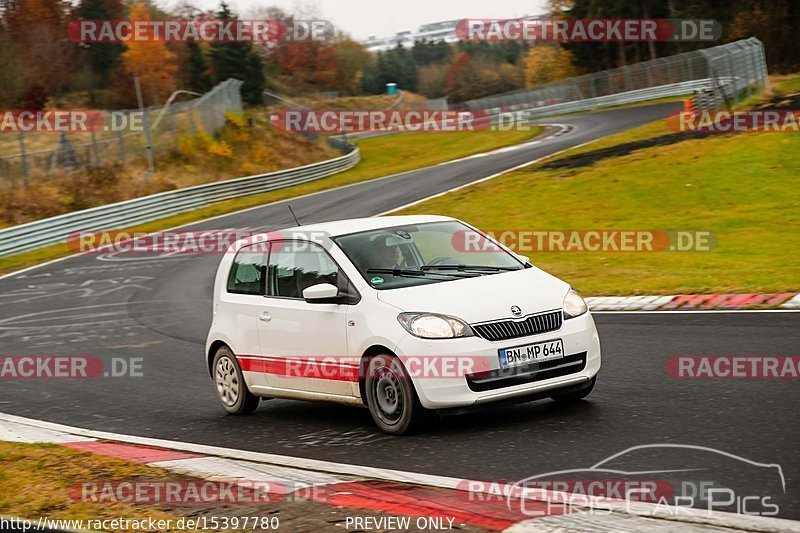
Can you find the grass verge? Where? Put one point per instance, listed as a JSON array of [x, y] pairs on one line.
[[380, 156], [743, 188], [45, 480], [36, 480]]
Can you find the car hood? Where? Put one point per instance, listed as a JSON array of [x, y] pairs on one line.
[[488, 297]]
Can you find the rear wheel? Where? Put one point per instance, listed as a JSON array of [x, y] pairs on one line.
[[229, 384], [575, 395], [391, 398]]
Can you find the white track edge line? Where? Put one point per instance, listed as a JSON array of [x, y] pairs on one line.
[[487, 178]]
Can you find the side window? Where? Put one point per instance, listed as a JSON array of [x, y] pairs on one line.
[[295, 266], [248, 272]]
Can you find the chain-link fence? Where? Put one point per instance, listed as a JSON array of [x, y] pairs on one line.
[[124, 137], [731, 71]]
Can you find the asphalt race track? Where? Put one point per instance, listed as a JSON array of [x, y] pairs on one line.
[[158, 308]]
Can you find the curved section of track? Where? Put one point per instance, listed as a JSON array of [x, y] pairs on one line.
[[158, 308]]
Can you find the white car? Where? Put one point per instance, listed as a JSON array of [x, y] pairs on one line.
[[402, 314]]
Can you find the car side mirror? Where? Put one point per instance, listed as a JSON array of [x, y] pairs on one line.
[[321, 293], [523, 258]]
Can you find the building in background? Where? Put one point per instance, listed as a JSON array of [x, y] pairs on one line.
[[435, 31]]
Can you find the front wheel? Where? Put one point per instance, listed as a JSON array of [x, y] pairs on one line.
[[391, 397], [229, 384]]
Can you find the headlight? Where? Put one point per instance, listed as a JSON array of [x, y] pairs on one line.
[[430, 326], [574, 305]]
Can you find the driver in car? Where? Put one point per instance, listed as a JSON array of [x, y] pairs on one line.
[[383, 255]]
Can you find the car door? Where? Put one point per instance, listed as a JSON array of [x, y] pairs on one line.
[[242, 302], [305, 343]]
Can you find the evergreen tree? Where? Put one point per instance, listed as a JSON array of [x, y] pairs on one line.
[[102, 58], [238, 60], [398, 67], [197, 77]]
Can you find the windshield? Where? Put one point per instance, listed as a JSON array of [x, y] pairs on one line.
[[418, 254]]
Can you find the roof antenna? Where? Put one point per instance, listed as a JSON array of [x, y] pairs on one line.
[[293, 215]]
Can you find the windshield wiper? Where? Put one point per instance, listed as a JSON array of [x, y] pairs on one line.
[[491, 268], [421, 272]]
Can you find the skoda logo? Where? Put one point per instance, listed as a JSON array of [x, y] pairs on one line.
[[515, 310]]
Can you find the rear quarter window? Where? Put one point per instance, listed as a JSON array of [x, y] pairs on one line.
[[248, 272]]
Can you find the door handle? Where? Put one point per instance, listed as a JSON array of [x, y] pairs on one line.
[[265, 317]]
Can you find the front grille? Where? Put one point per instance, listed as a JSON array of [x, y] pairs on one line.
[[520, 375], [501, 330]]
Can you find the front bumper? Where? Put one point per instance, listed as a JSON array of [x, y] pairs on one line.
[[580, 364]]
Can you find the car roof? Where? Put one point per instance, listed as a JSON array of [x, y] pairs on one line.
[[344, 227]]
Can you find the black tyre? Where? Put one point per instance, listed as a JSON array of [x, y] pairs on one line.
[[577, 395], [391, 398], [229, 384]]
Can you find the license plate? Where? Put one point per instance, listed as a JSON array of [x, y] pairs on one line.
[[531, 353]]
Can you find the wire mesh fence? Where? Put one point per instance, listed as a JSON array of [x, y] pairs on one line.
[[731, 71], [123, 138]]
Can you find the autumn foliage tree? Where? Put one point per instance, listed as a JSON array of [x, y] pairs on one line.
[[546, 63], [152, 60], [474, 77], [350, 57], [36, 32], [459, 77], [311, 64]]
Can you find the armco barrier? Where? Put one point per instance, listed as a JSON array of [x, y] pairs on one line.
[[630, 97], [139, 210], [735, 70]]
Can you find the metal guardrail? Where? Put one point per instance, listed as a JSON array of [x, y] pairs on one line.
[[735, 69], [630, 97], [119, 215]]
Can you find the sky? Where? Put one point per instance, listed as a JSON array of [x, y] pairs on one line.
[[363, 18]]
